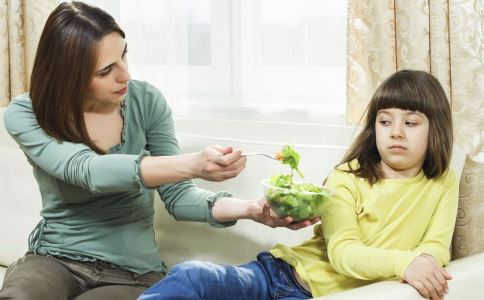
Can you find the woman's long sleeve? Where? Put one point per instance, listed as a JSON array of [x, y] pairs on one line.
[[73, 163], [184, 200]]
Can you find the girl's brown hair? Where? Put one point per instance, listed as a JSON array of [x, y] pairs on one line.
[[63, 69], [407, 90]]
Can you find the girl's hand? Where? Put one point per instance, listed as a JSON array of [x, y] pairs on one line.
[[217, 163], [260, 211], [428, 277]]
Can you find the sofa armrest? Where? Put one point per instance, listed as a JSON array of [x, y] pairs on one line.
[[3, 269], [378, 291], [467, 275]]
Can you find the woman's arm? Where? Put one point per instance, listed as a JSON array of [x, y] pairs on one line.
[[184, 200], [230, 209], [73, 163], [77, 164], [213, 163], [166, 164]]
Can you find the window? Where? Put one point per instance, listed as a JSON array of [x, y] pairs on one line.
[[281, 60]]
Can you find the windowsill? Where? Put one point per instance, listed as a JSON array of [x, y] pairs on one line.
[[295, 116], [235, 130]]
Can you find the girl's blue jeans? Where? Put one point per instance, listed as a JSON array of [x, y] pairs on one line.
[[265, 278]]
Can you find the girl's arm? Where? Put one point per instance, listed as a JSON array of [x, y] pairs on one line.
[[437, 238], [351, 257], [427, 277], [346, 251], [425, 273]]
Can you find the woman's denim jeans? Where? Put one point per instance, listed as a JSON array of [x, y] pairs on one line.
[[265, 278]]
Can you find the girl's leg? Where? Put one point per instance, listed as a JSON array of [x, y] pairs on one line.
[[199, 280], [266, 278], [38, 277]]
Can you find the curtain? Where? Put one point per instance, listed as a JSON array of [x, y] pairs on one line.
[[21, 23], [445, 38]]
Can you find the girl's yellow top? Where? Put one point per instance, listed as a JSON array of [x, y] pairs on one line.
[[373, 233]]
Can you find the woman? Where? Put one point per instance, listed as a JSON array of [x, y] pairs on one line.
[[99, 143]]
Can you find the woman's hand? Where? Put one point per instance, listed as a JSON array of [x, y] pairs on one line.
[[260, 211], [230, 209], [428, 277], [217, 163]]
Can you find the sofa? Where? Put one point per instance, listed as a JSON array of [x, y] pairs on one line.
[[320, 147]]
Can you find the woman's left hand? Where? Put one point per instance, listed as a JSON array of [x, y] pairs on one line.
[[260, 211]]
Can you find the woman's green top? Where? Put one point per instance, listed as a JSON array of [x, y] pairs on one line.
[[96, 207]]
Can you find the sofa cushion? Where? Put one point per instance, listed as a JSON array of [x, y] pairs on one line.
[[20, 204], [469, 228]]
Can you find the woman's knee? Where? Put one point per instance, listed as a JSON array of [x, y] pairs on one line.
[[14, 292], [38, 277], [31, 291]]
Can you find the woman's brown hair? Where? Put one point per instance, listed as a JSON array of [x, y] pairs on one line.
[[407, 90], [64, 66]]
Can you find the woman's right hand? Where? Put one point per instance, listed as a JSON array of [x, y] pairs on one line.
[[428, 277], [217, 163]]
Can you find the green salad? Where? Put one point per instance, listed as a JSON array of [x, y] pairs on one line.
[[290, 157], [291, 198]]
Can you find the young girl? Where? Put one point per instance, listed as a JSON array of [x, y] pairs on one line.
[[86, 128], [392, 215]]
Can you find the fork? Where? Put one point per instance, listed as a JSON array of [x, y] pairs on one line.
[[259, 153]]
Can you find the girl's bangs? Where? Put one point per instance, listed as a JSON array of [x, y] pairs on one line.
[[406, 97]]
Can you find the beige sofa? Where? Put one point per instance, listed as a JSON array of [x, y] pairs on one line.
[[320, 148]]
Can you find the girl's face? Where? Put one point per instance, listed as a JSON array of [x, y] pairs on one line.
[[402, 141], [111, 75]]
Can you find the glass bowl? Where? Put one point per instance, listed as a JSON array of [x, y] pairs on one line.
[[295, 202]]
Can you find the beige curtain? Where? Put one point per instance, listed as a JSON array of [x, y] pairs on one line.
[[445, 38], [21, 23]]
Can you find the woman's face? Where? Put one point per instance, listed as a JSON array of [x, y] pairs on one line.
[[402, 140], [111, 75]]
